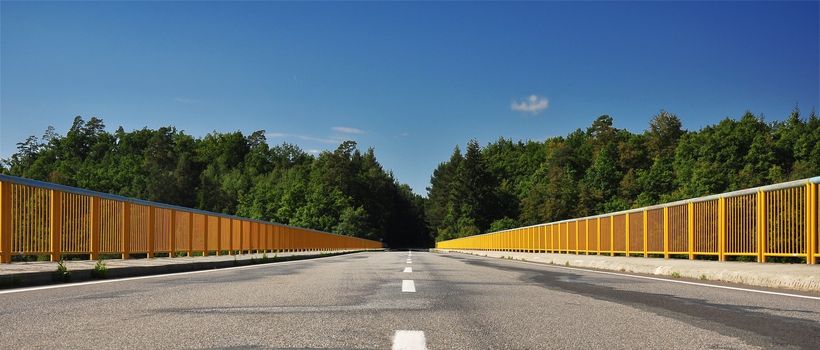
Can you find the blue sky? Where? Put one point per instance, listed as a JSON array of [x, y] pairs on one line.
[[411, 80]]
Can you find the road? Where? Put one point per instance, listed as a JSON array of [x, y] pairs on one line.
[[366, 300]]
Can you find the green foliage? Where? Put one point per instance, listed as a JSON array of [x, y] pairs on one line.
[[604, 169], [503, 224], [344, 191], [100, 270], [61, 274]]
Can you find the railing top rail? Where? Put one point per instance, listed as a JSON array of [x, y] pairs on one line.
[[116, 197], [772, 187]]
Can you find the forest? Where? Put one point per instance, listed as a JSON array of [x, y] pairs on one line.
[[345, 191], [501, 185], [602, 169]]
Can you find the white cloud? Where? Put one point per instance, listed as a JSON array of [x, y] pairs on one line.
[[314, 151], [532, 104], [347, 130]]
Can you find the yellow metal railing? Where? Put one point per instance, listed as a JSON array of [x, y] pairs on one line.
[[779, 220], [40, 218]]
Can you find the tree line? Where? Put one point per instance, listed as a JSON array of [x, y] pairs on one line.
[[344, 191], [601, 169], [502, 185]]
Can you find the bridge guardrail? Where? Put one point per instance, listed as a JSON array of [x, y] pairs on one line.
[[779, 220], [41, 218]]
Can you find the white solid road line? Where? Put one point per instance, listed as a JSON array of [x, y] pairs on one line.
[[409, 261], [79, 284], [408, 286], [673, 281], [409, 340], [408, 269]]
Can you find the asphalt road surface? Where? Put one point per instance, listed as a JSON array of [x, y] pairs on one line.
[[383, 300]]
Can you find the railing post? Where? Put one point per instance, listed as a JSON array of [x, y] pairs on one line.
[[56, 216], [205, 248], [722, 229], [598, 222], [241, 236], [218, 236], [190, 233], [690, 211], [666, 225], [645, 234], [586, 236], [5, 222], [611, 235], [577, 229], [811, 222], [95, 228], [151, 231], [172, 249], [761, 226], [230, 237], [126, 230], [626, 229]]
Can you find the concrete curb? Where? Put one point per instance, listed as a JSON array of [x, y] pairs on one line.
[[28, 279], [784, 276]]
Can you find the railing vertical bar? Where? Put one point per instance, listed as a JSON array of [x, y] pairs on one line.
[[56, 225], [5, 221]]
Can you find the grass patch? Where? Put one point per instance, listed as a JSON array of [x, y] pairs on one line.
[[100, 270], [675, 274], [61, 274], [703, 277]]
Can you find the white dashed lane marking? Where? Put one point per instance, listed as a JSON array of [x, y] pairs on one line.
[[408, 286], [409, 340]]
